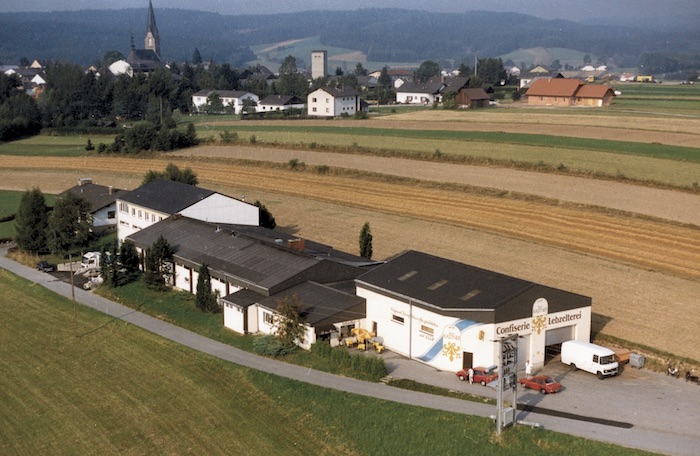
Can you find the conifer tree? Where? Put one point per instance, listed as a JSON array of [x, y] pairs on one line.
[[31, 222]]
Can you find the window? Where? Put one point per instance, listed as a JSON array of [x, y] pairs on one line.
[[314, 100], [397, 319], [268, 318], [595, 358], [313, 109], [140, 215], [123, 207], [111, 215], [133, 212], [146, 216], [427, 329]]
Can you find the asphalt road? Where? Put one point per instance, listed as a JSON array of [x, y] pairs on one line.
[[639, 409]]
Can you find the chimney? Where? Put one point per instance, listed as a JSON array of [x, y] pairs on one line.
[[296, 244], [84, 181], [110, 189]]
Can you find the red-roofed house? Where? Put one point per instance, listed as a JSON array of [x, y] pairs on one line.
[[568, 92]]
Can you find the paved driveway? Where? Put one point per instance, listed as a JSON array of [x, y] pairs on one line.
[[638, 409]]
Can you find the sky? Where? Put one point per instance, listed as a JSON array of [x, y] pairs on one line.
[[546, 9]]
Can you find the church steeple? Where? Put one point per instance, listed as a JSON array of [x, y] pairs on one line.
[[152, 41]]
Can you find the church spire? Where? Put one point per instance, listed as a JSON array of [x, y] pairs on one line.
[[152, 41]]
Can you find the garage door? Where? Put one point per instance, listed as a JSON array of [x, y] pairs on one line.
[[559, 335]]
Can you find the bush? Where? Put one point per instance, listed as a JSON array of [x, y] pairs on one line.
[[322, 169], [270, 345], [227, 137]]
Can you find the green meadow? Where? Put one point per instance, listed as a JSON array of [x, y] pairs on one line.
[[116, 389]]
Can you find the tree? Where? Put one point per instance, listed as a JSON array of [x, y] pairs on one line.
[[159, 264], [70, 230], [464, 70], [289, 324], [491, 70], [110, 57], [290, 81], [426, 70], [206, 300], [214, 104], [360, 70], [69, 225], [366, 242], [338, 71], [31, 222], [384, 80], [173, 173], [196, 57], [266, 218]]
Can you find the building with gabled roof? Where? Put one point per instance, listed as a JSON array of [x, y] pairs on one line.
[[564, 92], [253, 269], [231, 99], [332, 102], [449, 314], [273, 103], [161, 198], [103, 202]]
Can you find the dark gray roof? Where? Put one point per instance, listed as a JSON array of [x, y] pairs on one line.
[[454, 84], [281, 100], [222, 93], [453, 288], [265, 267], [418, 87], [98, 196], [340, 92], [321, 306], [166, 196]]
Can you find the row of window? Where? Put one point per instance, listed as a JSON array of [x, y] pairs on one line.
[[124, 209], [399, 319]]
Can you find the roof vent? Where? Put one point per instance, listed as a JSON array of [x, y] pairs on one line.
[[408, 275], [437, 284], [470, 295]]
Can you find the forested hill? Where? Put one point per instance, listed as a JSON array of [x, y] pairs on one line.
[[383, 34]]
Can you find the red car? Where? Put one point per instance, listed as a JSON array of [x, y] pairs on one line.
[[543, 383], [481, 374]]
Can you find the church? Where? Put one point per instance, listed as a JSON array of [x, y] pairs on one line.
[[147, 59]]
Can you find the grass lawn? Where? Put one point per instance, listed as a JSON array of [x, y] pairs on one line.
[[54, 146], [116, 389]]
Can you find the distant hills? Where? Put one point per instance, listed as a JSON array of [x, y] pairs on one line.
[[378, 35]]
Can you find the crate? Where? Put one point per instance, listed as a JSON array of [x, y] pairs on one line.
[[622, 355]]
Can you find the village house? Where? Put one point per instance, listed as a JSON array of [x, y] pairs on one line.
[[161, 198], [562, 92], [472, 98], [103, 203], [332, 102], [273, 103], [232, 99]]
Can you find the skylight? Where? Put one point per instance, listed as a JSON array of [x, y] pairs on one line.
[[437, 284], [408, 275], [470, 295]]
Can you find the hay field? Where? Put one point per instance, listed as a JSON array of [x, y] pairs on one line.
[[643, 274]]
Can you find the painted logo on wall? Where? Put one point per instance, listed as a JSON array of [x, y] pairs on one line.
[[539, 315], [451, 342]]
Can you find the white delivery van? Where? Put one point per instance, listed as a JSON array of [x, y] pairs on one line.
[[589, 357]]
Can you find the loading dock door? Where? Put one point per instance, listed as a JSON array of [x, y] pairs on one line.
[[558, 335]]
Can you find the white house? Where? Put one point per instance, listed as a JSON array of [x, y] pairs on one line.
[[331, 102], [450, 315], [273, 103], [234, 98], [121, 67], [159, 199], [103, 203], [419, 93]]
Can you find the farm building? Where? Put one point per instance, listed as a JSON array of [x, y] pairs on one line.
[[472, 98], [450, 315], [273, 103], [563, 92], [253, 269]]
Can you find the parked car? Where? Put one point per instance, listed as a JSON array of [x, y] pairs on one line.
[[543, 383], [482, 375], [44, 266]]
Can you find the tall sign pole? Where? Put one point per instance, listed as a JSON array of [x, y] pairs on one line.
[[507, 381]]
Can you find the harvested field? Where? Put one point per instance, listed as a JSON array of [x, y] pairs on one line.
[[643, 275]]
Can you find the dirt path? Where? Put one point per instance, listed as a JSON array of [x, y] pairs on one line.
[[644, 276]]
